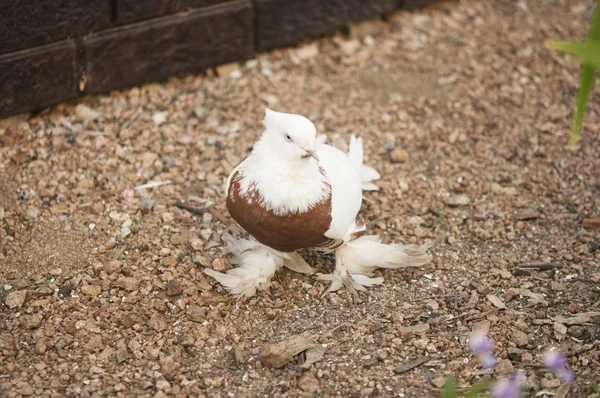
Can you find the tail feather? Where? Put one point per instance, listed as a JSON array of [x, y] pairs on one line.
[[367, 173], [365, 254]]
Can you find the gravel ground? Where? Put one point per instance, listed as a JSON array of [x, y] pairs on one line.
[[464, 112]]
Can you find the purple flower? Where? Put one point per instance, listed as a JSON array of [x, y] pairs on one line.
[[509, 387], [557, 363], [483, 347]]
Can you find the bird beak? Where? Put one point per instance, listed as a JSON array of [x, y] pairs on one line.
[[313, 154]]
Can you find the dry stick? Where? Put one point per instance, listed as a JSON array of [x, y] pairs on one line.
[[583, 350], [539, 265], [412, 364], [200, 212], [189, 208]]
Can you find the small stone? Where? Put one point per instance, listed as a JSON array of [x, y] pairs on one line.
[[33, 212], [1, 213], [128, 283], [527, 214], [91, 290], [550, 383], [84, 113], [195, 313], [202, 260], [162, 385], [122, 352], [504, 367], [309, 383], [40, 346], [438, 382], [169, 366], [179, 239], [591, 223], [458, 200], [196, 244], [514, 354], [158, 323], [560, 328], [146, 205], [65, 290], [173, 288], [42, 291], [159, 118], [95, 343], [226, 70], [168, 217], [519, 338], [26, 390], [34, 322], [399, 156], [219, 264], [10, 367], [16, 299]]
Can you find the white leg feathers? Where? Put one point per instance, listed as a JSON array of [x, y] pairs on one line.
[[256, 266], [357, 260]]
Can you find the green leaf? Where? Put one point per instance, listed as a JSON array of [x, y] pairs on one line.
[[449, 387], [586, 85], [478, 388], [588, 53]]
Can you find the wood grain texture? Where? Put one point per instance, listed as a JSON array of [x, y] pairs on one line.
[[172, 46], [137, 10], [38, 78], [283, 22], [29, 23]]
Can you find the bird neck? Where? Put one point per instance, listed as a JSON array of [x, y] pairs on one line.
[[285, 185]]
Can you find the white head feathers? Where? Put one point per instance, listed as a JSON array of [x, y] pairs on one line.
[[284, 165], [291, 135]]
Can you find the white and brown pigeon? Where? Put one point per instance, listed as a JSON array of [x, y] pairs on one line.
[[295, 192]]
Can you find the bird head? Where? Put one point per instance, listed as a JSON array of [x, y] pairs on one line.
[[293, 135]]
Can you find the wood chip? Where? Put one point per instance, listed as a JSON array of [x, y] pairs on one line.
[[314, 355], [536, 298], [591, 223], [581, 318], [153, 184], [540, 265], [562, 391], [412, 364], [278, 355], [496, 302], [415, 329]]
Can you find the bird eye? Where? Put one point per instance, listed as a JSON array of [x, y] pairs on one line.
[[288, 138]]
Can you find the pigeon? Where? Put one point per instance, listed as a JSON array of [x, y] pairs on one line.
[[295, 192]]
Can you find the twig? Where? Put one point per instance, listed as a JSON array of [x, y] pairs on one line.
[[189, 208], [583, 350], [131, 119], [412, 364], [153, 184], [217, 215], [65, 345], [201, 212], [540, 265]]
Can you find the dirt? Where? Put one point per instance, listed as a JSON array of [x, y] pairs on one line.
[[476, 111]]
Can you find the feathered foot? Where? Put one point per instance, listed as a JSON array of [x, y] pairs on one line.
[[256, 266], [357, 260]]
